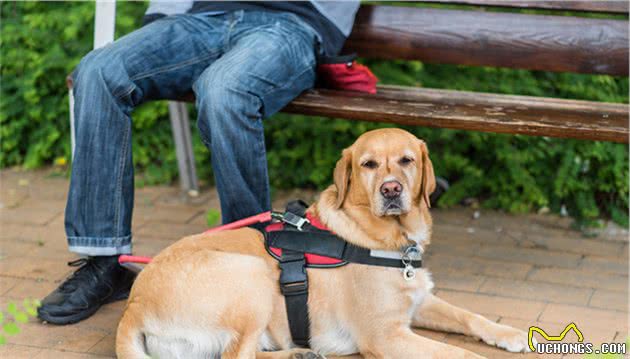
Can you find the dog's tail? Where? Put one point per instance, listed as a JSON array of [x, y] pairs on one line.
[[130, 340]]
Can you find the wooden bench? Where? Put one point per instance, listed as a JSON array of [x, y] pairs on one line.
[[485, 38], [534, 42]]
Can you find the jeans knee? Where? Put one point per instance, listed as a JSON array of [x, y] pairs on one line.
[[225, 107], [101, 70]]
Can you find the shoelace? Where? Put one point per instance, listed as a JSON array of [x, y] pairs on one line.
[[83, 264], [78, 262]]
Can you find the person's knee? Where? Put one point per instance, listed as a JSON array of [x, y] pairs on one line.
[[100, 69], [219, 90], [225, 106]]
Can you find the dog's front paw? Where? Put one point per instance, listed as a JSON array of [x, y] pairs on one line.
[[510, 339]]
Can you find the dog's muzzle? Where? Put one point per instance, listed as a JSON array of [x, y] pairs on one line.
[[391, 192]]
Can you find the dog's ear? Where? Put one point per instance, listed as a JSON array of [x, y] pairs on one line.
[[342, 176], [427, 185]]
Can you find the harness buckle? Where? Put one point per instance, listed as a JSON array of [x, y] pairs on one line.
[[294, 220], [294, 288], [293, 278]]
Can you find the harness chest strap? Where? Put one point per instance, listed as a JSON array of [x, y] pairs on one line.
[[313, 246]]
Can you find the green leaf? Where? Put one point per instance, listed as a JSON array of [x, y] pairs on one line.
[[213, 217], [11, 328], [12, 308], [21, 317]]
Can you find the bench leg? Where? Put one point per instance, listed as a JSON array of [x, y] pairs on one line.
[[183, 146], [71, 107]]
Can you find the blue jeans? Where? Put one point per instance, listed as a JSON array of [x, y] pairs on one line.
[[242, 66]]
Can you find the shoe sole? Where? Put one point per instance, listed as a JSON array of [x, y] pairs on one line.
[[69, 319]]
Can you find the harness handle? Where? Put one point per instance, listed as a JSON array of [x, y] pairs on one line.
[[259, 218]]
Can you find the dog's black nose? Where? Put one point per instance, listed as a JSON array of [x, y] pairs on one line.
[[391, 189]]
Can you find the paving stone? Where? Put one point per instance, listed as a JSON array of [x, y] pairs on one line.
[[82, 342], [6, 283], [200, 219], [607, 299], [33, 268], [105, 320], [20, 231], [106, 347], [560, 313], [25, 215], [208, 198], [14, 351], [581, 278], [456, 281], [572, 244], [478, 266], [56, 354], [44, 249], [143, 246], [488, 304], [49, 189], [174, 214], [605, 265], [624, 252], [11, 197], [41, 335], [531, 256], [43, 204], [462, 250], [469, 235], [57, 226], [32, 289], [172, 231], [544, 292], [458, 216], [148, 195]]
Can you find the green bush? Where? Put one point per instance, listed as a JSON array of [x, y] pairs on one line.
[[42, 42]]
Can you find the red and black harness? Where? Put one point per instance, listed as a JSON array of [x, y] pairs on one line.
[[299, 241]]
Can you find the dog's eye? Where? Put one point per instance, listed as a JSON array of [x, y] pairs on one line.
[[369, 164], [405, 160]]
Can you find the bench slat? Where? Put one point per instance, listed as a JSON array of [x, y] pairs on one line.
[[612, 7], [472, 111], [535, 42]]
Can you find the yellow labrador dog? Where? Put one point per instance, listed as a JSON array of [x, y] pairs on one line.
[[212, 295]]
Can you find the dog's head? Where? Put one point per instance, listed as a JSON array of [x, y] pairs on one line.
[[388, 170]]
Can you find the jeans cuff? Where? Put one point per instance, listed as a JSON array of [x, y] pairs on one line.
[[100, 246]]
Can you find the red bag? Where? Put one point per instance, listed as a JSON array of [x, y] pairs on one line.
[[344, 73]]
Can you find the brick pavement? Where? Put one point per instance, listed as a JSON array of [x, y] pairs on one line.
[[518, 270]]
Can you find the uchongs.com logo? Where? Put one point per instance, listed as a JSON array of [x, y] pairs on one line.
[[555, 344]]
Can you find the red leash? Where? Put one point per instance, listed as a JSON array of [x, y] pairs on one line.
[[259, 218]]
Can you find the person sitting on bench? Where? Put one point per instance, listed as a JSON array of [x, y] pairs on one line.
[[243, 60]]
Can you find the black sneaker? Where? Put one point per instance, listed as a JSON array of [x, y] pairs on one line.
[[98, 281]]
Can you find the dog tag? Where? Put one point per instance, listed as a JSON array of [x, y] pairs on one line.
[[409, 272]]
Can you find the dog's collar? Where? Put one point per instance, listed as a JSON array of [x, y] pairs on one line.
[[413, 252]]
